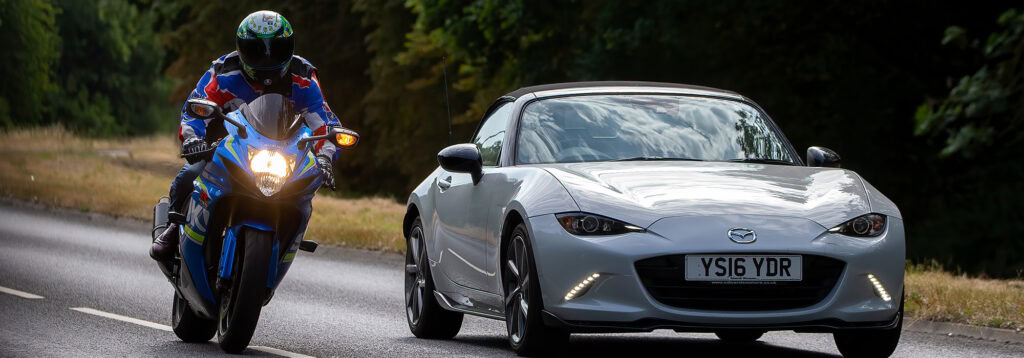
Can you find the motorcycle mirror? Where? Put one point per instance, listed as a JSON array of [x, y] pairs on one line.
[[344, 137], [201, 108]]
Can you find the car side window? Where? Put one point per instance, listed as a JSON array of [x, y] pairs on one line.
[[491, 134]]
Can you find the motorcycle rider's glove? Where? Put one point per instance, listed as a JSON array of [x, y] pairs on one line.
[[193, 149], [324, 163]]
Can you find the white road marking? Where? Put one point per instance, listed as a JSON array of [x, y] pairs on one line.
[[22, 294], [122, 318], [279, 352], [167, 328]]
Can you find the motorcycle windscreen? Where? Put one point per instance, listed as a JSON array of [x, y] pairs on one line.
[[272, 115]]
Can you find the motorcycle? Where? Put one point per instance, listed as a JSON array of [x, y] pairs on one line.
[[246, 219]]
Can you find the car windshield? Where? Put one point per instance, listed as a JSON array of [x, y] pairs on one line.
[[647, 127]]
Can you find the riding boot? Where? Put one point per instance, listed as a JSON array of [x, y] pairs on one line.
[[166, 244]]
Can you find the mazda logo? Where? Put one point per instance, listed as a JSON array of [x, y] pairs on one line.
[[742, 236]]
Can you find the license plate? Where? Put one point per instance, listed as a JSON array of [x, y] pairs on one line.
[[744, 267]]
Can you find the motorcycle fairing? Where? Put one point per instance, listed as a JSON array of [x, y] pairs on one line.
[[228, 175]]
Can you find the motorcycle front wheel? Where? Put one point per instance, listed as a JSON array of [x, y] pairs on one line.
[[187, 325], [241, 302]]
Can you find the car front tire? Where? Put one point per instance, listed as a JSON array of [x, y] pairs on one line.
[[426, 318], [870, 343], [527, 333]]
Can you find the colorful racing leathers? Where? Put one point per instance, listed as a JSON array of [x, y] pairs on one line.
[[225, 85]]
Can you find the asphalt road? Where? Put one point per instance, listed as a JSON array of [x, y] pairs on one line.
[[78, 270]]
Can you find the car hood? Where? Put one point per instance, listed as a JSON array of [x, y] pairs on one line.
[[641, 193]]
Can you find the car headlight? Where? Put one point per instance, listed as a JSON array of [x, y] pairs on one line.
[[271, 170], [868, 225], [589, 224]]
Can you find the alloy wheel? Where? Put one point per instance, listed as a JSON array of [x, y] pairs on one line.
[[415, 278], [517, 286]]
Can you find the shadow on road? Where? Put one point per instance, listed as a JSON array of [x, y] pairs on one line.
[[601, 345], [207, 349]]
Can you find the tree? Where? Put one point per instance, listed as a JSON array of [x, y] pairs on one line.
[[28, 35], [985, 110]]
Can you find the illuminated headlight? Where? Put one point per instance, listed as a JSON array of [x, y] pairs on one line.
[[879, 289], [582, 287], [271, 170]]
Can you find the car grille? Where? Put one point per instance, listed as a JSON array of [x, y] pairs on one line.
[[664, 279]]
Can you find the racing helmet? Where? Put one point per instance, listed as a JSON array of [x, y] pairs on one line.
[[265, 45]]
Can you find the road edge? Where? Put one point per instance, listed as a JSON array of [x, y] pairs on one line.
[[964, 330], [143, 226], [120, 221]]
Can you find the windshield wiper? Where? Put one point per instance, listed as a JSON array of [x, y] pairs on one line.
[[653, 158], [763, 161]]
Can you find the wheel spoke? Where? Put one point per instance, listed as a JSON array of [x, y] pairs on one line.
[[512, 269], [419, 301], [408, 296], [523, 306], [511, 296]]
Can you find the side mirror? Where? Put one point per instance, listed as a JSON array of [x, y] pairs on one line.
[[205, 109], [344, 137], [822, 157], [462, 158], [201, 108]]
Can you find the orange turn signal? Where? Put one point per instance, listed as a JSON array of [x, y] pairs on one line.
[[345, 139], [201, 110]]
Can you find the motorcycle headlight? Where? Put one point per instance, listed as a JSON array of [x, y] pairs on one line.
[[271, 170], [588, 224], [868, 225]]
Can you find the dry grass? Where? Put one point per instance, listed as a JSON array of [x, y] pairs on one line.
[[125, 178], [936, 295]]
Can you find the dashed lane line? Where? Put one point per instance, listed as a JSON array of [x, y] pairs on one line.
[[279, 352], [22, 294], [167, 328], [122, 318]]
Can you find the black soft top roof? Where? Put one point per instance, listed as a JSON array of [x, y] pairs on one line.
[[566, 85]]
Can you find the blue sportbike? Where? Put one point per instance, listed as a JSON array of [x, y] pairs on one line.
[[246, 219]]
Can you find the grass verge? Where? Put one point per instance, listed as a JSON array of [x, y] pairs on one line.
[[933, 294], [125, 177]]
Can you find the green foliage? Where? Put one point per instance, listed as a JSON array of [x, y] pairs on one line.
[[111, 69], [94, 66], [985, 110], [28, 37]]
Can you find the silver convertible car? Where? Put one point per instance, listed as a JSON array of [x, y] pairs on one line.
[[633, 206]]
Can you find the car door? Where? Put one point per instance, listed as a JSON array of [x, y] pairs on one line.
[[462, 208]]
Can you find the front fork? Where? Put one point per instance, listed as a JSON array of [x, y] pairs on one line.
[[229, 250]]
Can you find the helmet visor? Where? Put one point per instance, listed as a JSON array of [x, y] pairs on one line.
[[266, 53]]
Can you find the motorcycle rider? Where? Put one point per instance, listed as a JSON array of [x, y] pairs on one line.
[[263, 62]]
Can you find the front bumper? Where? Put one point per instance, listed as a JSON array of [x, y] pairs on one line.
[[618, 300]]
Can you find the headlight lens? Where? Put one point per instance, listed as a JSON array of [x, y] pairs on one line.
[[588, 224], [271, 169], [869, 225]]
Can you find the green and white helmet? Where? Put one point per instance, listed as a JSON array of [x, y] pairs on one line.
[[265, 44]]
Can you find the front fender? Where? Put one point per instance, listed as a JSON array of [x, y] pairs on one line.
[[229, 250]]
